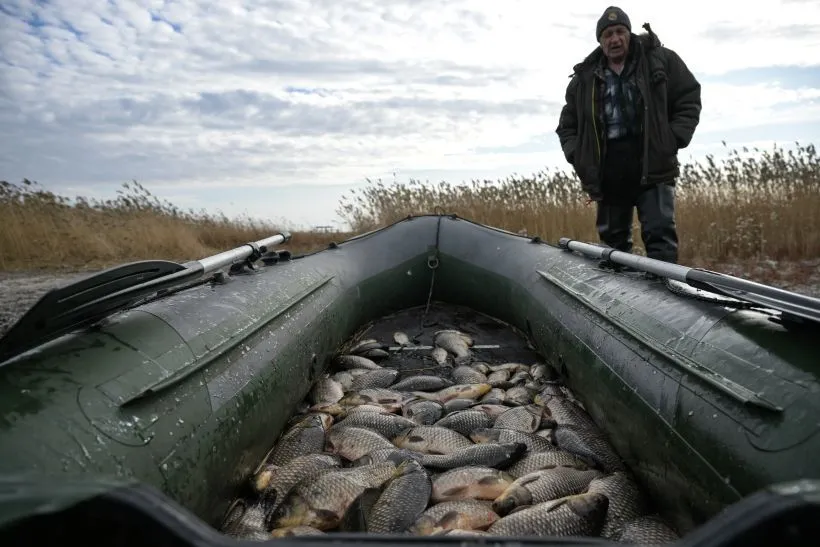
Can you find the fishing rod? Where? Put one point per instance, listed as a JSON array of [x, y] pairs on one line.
[[792, 304]]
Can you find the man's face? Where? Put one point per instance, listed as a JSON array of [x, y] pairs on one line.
[[615, 42]]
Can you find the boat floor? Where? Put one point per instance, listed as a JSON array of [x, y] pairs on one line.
[[420, 324]]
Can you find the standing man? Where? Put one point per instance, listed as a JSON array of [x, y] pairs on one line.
[[630, 106]]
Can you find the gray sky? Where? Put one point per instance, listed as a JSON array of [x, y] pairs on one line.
[[276, 108]]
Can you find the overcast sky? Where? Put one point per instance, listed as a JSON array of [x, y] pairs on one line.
[[278, 107]]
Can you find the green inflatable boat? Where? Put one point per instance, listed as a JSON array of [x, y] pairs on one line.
[[142, 404]]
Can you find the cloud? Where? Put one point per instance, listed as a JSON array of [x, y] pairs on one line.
[[186, 95]]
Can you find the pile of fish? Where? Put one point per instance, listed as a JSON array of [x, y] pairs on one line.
[[498, 450]]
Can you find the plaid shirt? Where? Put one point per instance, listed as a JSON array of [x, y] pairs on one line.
[[622, 100]]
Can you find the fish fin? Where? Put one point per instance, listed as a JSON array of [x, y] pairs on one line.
[[518, 508], [490, 480], [455, 491], [448, 520], [415, 439]]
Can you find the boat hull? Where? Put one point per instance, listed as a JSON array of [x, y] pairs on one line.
[[186, 394]]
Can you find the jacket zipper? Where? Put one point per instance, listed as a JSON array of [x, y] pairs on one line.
[[595, 122]]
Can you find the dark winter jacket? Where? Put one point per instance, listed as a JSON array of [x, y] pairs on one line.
[[671, 112]]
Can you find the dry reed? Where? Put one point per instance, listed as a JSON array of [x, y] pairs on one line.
[[743, 208]]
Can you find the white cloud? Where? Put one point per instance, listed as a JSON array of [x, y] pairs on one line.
[[184, 95]]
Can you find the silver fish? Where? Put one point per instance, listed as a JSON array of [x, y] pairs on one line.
[[352, 442], [326, 390], [518, 396], [471, 482], [274, 483], [401, 339], [454, 344], [647, 530], [430, 439], [544, 485], [422, 383], [536, 461], [455, 405], [465, 421], [355, 361], [386, 424], [403, 500], [439, 355], [625, 501], [292, 531], [305, 437], [523, 418], [463, 374], [498, 455], [374, 379], [423, 412], [494, 434], [245, 520], [450, 515], [577, 515]]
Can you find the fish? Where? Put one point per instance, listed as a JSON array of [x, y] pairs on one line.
[[439, 355], [364, 345], [401, 339], [453, 343], [384, 423], [345, 377], [403, 500], [493, 411], [590, 445], [518, 396], [455, 405], [464, 533], [450, 515], [562, 411], [375, 353], [378, 396], [539, 372], [465, 421], [374, 379], [383, 454], [430, 439], [536, 461], [423, 412], [625, 501], [647, 530], [511, 367], [321, 503], [363, 409], [463, 374], [534, 443], [480, 366], [519, 378], [463, 335], [495, 396], [422, 383], [355, 361], [470, 482], [523, 418], [498, 455], [305, 437], [352, 442], [274, 483], [295, 531], [458, 391], [500, 379], [326, 390], [544, 485], [245, 520], [576, 515]]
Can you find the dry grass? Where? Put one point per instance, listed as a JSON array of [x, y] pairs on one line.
[[751, 206]]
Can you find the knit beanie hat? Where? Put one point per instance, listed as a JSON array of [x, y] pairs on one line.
[[612, 16]]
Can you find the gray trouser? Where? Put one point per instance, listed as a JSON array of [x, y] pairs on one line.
[[622, 193]]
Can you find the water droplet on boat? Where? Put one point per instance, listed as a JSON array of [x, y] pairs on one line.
[[691, 412]]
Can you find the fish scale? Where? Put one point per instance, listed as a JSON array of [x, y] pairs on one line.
[[305, 437], [625, 501], [534, 443], [470, 482], [386, 424], [431, 439], [535, 461], [544, 485], [647, 530], [465, 421], [578, 515], [352, 442], [449, 515], [374, 379], [282, 479], [498, 455], [523, 418], [403, 500]]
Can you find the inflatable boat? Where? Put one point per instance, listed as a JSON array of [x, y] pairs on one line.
[[137, 402]]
